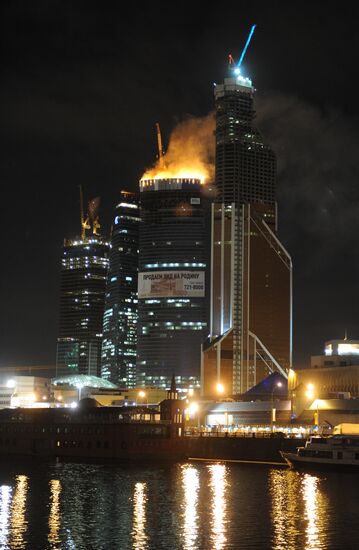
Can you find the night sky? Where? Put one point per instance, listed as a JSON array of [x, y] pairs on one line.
[[83, 84]]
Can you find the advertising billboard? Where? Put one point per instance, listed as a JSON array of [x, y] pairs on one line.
[[164, 284]]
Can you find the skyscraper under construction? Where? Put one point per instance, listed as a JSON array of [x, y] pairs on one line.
[[82, 291], [251, 272]]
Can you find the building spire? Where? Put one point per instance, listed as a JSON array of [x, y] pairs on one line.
[[172, 393]]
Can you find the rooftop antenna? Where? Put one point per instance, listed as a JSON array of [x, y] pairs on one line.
[[246, 46], [159, 143], [346, 335]]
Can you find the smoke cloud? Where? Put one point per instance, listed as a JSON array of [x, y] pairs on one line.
[[190, 151], [317, 178]]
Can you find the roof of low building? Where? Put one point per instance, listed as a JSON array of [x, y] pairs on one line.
[[83, 380]]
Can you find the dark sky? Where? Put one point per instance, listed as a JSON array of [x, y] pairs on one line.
[[82, 86]]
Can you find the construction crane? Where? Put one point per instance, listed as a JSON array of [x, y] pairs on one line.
[[96, 225], [85, 222], [159, 143]]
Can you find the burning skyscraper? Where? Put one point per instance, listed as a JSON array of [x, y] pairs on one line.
[[173, 259], [171, 284]]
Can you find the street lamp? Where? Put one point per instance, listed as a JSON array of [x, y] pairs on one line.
[[192, 411], [310, 391], [272, 418], [142, 395]]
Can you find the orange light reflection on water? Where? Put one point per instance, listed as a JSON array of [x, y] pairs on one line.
[[54, 515], [312, 512], [190, 482], [5, 501], [299, 511], [218, 486], [18, 508], [139, 536]]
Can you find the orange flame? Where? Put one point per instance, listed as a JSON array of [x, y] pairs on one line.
[[190, 152]]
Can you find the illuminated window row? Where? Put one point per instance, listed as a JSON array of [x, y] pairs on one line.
[[176, 264]]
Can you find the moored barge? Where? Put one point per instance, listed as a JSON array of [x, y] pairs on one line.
[[126, 433]]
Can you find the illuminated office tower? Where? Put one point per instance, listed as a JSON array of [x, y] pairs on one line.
[[84, 269], [251, 272], [171, 289], [120, 316]]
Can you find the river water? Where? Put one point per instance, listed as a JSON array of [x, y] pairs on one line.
[[184, 506]]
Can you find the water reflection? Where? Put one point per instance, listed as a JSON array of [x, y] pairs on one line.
[[190, 482], [139, 517], [218, 486], [313, 512], [299, 511], [285, 504], [54, 515], [5, 501], [18, 510]]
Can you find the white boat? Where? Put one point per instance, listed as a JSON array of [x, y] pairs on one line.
[[339, 451]]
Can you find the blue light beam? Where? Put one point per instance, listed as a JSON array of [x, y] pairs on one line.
[[246, 46]]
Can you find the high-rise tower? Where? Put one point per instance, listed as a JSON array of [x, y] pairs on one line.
[[171, 288], [120, 317], [82, 292], [251, 293]]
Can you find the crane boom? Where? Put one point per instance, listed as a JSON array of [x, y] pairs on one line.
[[159, 143], [84, 221]]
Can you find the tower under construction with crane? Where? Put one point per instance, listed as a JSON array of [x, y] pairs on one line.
[[84, 267], [250, 332]]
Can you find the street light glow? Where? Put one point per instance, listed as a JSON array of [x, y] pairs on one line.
[[193, 408], [310, 391], [220, 388]]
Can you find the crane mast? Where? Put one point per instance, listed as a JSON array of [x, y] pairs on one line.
[[159, 144]]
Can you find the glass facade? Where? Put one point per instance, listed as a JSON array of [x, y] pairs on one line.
[[245, 164], [251, 272], [82, 291], [172, 282], [118, 363]]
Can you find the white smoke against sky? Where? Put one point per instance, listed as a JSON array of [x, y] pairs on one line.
[[318, 176]]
